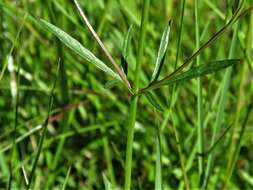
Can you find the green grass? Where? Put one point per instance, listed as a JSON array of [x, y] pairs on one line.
[[149, 94]]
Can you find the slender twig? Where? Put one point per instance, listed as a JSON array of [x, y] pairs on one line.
[[100, 43]]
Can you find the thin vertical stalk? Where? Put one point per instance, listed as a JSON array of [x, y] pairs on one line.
[[102, 21], [181, 156], [158, 170], [200, 104], [134, 98], [221, 107], [44, 130]]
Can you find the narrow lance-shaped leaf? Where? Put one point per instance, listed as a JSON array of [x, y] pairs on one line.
[[75, 46], [161, 53], [126, 48], [195, 72]]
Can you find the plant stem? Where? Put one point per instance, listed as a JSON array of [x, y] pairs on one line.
[[200, 104], [134, 99]]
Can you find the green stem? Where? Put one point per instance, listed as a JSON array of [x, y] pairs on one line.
[[200, 104], [134, 99]]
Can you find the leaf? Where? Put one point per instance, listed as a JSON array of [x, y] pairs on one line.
[[110, 84], [107, 183], [75, 46], [126, 48], [153, 101], [161, 53], [202, 70], [194, 72]]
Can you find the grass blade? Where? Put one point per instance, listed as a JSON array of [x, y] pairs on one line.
[[75, 46], [66, 179], [134, 99], [44, 130], [200, 127], [158, 177], [161, 53], [126, 48]]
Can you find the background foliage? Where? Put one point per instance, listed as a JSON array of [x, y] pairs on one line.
[[87, 131]]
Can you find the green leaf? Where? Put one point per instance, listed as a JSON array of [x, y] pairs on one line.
[[75, 46], [161, 53], [153, 101], [199, 71], [126, 48], [107, 183]]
